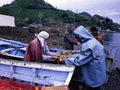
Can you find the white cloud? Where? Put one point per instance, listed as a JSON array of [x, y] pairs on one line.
[[2, 2], [106, 8]]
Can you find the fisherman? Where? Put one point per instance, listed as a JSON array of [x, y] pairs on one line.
[[69, 38], [90, 69], [96, 34], [38, 51]]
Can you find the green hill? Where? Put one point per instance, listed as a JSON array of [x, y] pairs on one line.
[[28, 12]]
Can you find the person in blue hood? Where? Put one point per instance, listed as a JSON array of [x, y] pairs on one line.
[[89, 63]]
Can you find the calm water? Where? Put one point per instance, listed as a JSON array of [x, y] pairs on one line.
[[112, 40]]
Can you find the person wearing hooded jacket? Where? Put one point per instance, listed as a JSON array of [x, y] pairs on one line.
[[89, 64], [38, 51], [69, 38]]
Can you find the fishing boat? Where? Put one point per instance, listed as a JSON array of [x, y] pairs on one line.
[[11, 49], [12, 43], [36, 74], [13, 53], [42, 74]]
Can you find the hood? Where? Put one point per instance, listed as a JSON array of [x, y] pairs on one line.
[[43, 34], [71, 28], [82, 34]]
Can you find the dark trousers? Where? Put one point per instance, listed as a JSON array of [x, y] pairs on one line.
[[90, 88], [75, 85], [81, 86]]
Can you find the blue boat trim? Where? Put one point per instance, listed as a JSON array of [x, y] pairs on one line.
[[12, 42]]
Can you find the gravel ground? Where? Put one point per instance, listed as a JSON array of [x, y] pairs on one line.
[[113, 82]]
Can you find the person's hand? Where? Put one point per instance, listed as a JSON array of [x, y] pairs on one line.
[[58, 59], [55, 58], [62, 60], [78, 43]]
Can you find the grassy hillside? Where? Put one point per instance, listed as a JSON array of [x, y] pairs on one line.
[[27, 12]]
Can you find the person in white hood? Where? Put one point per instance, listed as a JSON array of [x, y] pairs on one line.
[[90, 62], [38, 51]]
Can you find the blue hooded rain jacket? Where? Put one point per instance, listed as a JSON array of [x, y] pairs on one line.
[[90, 62]]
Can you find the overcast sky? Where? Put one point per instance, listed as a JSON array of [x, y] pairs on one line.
[[105, 8]]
